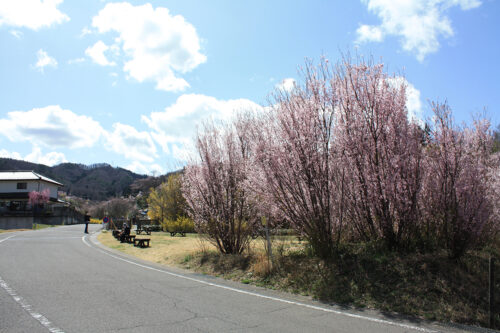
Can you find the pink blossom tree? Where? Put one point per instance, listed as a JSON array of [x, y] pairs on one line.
[[339, 153], [337, 158], [37, 199], [219, 201], [298, 158], [381, 153], [460, 195]]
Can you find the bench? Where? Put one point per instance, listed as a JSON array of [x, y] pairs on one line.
[[116, 233], [142, 242], [146, 230], [128, 238], [182, 233]]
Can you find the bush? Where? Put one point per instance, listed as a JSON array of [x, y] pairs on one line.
[[182, 224]]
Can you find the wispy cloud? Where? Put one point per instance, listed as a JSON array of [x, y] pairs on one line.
[[44, 60], [76, 61], [16, 33], [419, 23]]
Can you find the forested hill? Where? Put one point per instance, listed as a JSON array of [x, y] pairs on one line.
[[95, 182]]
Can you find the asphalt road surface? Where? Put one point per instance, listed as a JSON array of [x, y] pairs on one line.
[[59, 280]]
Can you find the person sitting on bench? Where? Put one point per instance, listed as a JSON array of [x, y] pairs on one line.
[[125, 232]]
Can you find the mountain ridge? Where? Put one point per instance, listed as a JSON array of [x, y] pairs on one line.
[[95, 182]]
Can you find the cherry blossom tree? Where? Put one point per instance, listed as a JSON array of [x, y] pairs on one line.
[[37, 199], [381, 153], [340, 154], [337, 157], [297, 156], [215, 188], [460, 182]]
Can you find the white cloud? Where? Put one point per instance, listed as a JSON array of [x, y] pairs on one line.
[[76, 61], [129, 142], [36, 156], [44, 60], [183, 153], [148, 169], [85, 31], [419, 23], [286, 84], [16, 33], [413, 103], [96, 53], [50, 159], [157, 45], [163, 140], [51, 126], [178, 123], [368, 33], [31, 14], [7, 154]]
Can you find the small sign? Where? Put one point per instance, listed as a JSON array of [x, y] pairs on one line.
[[105, 219]]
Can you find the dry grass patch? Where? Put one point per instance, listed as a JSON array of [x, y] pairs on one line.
[[164, 249], [12, 230], [38, 227]]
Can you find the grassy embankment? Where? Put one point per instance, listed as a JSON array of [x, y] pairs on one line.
[[428, 286]]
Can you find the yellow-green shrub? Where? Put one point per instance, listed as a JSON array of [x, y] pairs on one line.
[[184, 224]]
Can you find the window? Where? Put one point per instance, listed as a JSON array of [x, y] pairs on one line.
[[22, 186]]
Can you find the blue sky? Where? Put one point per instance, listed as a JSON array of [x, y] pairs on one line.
[[126, 83]]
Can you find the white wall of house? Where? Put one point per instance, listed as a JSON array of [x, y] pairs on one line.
[[10, 186]]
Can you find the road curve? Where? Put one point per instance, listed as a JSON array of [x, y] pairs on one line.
[[60, 280]]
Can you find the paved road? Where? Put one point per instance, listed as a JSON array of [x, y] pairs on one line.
[[56, 280]]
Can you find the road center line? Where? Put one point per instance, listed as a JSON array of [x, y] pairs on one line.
[[314, 307], [28, 308]]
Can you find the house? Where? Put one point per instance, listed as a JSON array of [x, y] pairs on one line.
[[15, 186], [15, 210]]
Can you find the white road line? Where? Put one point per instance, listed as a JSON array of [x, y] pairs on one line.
[[45, 238], [28, 308], [2, 240], [314, 307]]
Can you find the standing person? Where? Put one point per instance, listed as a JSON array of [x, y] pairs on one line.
[[134, 221], [87, 220]]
